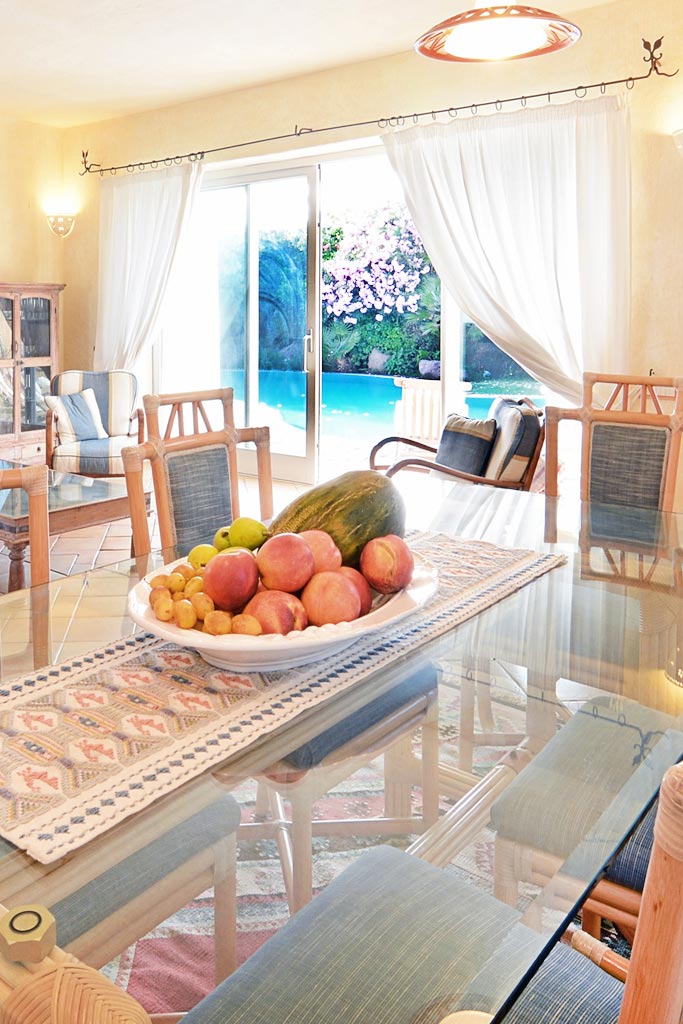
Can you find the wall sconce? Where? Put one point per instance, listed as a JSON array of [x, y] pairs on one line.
[[61, 224], [677, 136]]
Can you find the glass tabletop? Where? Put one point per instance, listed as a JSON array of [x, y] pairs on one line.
[[536, 731], [65, 490]]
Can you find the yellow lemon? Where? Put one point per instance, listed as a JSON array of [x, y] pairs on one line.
[[201, 554], [247, 533], [222, 538]]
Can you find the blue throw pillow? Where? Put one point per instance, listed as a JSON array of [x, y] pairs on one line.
[[78, 417], [466, 444]]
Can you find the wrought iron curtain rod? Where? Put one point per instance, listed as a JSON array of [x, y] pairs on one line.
[[653, 58]]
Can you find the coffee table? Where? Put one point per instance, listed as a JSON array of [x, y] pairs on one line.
[[74, 502]]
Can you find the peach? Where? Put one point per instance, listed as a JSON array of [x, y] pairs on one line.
[[231, 578], [285, 562], [326, 554], [362, 586], [330, 597], [277, 611], [387, 563]]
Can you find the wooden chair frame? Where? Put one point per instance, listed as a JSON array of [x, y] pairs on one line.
[[34, 480], [154, 451], [633, 401], [187, 405], [422, 464]]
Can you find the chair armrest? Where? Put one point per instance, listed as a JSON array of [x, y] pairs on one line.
[[610, 962], [401, 440], [137, 425], [511, 485], [51, 436]]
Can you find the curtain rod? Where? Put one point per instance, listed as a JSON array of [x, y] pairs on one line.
[[653, 58]]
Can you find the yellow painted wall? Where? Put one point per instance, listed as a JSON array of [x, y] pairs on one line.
[[30, 172], [610, 48]]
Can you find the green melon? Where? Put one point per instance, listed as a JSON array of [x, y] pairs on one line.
[[353, 508]]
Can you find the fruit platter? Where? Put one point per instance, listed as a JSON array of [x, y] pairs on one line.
[[272, 597]]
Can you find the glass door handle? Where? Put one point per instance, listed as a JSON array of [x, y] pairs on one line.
[[308, 341]]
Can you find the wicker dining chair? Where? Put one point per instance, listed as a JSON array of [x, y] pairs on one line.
[[196, 486], [186, 413], [630, 440], [34, 480], [395, 940]]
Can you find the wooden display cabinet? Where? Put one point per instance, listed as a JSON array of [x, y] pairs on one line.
[[29, 358]]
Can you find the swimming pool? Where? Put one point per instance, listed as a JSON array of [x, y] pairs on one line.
[[354, 404]]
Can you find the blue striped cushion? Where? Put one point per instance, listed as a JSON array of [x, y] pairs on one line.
[[83, 909], [313, 752], [199, 483], [560, 795], [627, 464], [387, 938], [629, 867], [466, 444], [115, 393], [518, 427], [91, 458], [568, 989]]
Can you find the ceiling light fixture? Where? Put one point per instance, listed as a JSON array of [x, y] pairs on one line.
[[61, 224], [500, 32]]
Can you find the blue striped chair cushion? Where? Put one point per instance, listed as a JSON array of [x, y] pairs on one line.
[[94, 902], [78, 416], [629, 867], [627, 464], [313, 752], [92, 458], [466, 444], [199, 483], [115, 393], [553, 803], [568, 989], [387, 938], [518, 427]]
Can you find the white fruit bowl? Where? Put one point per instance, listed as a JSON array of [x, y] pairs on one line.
[[272, 652]]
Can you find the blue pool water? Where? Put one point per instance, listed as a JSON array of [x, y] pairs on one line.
[[353, 404]]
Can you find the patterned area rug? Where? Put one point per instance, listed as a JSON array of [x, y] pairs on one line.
[[172, 968]]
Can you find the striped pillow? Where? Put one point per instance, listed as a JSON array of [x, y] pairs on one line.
[[466, 444], [78, 417]]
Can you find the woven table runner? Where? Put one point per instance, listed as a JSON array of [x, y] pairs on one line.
[[93, 740]]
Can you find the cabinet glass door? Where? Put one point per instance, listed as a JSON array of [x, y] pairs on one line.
[[6, 322], [35, 384], [35, 327]]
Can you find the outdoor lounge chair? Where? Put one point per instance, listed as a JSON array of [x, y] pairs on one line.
[[502, 450]]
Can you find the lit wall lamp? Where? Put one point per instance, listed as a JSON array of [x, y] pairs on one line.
[[677, 136], [497, 32], [61, 224]]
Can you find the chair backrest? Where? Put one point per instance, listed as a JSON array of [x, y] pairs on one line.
[[34, 480], [115, 393], [186, 413], [195, 485], [630, 442]]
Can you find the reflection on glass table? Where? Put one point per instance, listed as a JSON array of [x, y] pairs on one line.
[[579, 698]]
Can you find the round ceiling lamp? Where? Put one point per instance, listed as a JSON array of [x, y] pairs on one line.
[[504, 32]]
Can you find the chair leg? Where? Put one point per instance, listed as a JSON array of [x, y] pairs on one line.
[[397, 781], [430, 765], [225, 907], [302, 852]]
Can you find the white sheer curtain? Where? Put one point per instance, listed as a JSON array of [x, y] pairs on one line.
[[526, 218], [141, 219]]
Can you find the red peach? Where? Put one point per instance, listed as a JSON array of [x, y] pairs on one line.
[[330, 597], [232, 580], [362, 586], [326, 554], [277, 611], [285, 562], [387, 563]]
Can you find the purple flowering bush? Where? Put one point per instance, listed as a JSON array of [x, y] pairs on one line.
[[380, 293]]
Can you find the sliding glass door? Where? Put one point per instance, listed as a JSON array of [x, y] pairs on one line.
[[250, 265]]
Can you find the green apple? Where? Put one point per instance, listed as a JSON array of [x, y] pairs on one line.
[[222, 538]]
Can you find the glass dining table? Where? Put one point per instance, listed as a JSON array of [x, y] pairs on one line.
[[532, 703]]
